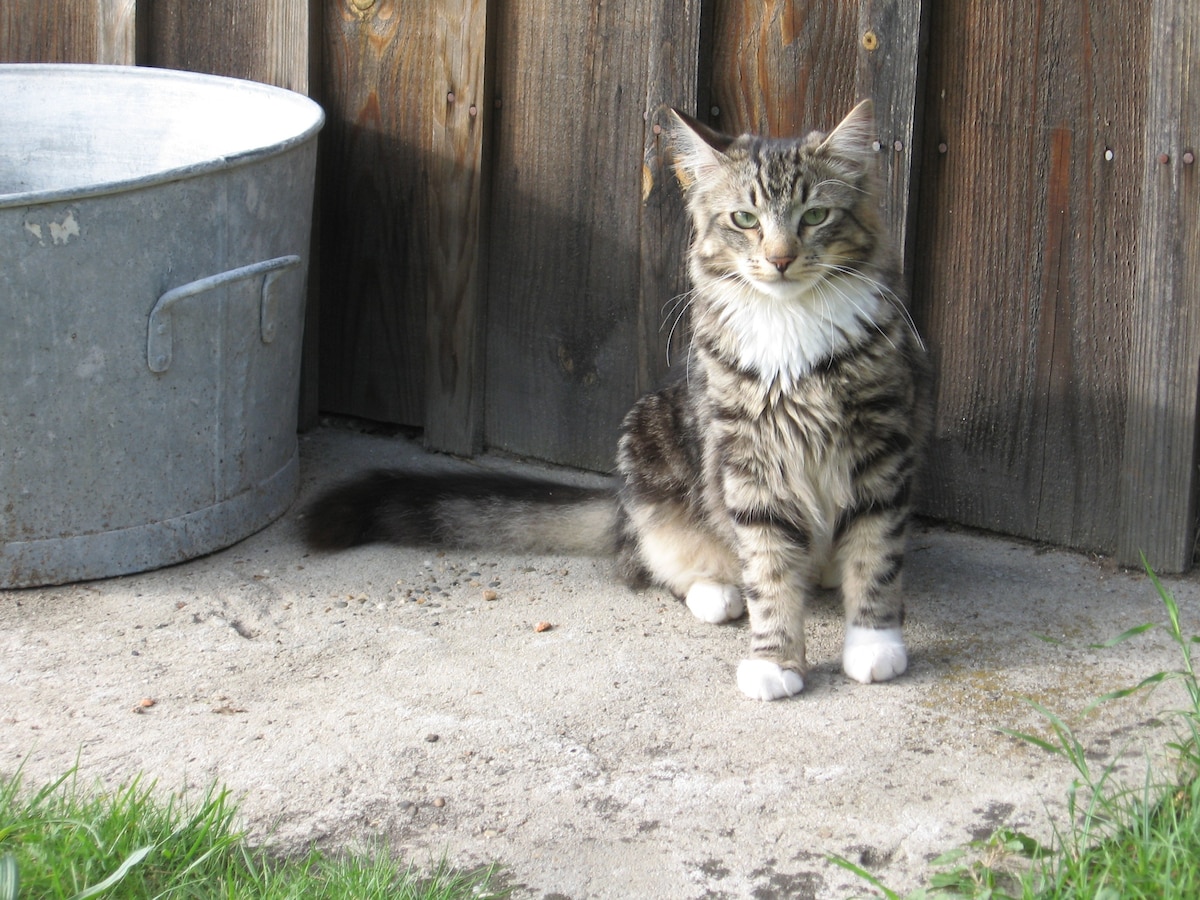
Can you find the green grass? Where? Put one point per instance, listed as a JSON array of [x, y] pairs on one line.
[[1119, 842], [62, 842]]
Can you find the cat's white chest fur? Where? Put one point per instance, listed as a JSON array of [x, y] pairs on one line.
[[782, 331]]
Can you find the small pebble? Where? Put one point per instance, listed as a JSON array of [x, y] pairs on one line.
[[490, 594], [439, 802], [542, 626], [432, 738]]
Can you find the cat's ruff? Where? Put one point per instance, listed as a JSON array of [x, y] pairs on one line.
[[782, 331]]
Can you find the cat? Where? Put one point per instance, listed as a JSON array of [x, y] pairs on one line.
[[782, 461]]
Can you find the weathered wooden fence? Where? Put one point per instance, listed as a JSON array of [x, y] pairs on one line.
[[500, 240]]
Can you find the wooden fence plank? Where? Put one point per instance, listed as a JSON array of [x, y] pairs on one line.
[[1157, 487], [673, 47], [460, 105], [68, 31], [783, 67], [891, 71], [567, 290], [373, 187], [266, 41], [1028, 216]]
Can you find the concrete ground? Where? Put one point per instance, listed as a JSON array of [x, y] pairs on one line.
[[409, 697]]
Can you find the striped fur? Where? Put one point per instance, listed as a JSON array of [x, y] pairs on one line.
[[787, 456], [783, 460]]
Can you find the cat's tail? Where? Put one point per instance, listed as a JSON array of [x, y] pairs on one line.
[[472, 511]]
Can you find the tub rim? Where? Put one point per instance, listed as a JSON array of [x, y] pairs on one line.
[[176, 173]]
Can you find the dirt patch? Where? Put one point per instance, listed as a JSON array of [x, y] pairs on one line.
[[409, 697]]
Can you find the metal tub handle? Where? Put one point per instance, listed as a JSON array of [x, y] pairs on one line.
[[159, 332]]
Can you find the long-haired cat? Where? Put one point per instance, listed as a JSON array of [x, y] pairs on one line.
[[784, 458]]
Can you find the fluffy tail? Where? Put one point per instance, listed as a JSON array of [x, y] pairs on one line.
[[475, 511]]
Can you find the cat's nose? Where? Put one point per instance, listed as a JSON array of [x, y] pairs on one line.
[[781, 262]]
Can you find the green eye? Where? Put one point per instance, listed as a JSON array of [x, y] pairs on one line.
[[743, 219], [815, 215]]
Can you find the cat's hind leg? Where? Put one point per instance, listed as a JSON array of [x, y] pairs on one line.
[[677, 551]]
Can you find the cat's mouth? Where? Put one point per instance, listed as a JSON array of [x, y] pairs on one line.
[[781, 284]]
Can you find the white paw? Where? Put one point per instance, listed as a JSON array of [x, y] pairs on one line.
[[715, 603], [760, 679], [873, 654]]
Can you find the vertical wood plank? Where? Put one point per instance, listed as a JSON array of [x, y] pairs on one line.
[[1157, 486], [461, 108], [1028, 221], [672, 73], [782, 67], [266, 41], [68, 31], [892, 38], [373, 189], [572, 269]]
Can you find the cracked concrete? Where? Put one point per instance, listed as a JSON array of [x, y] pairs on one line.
[[404, 696]]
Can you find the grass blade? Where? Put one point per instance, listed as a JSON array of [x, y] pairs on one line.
[[10, 877], [864, 875], [115, 878]]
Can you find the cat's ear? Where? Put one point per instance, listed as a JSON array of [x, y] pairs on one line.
[[854, 137], [699, 150]]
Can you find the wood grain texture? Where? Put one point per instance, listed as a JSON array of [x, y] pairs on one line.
[[68, 31], [1158, 483], [373, 189], [782, 67], [892, 38], [461, 110], [266, 41], [1024, 277], [574, 267]]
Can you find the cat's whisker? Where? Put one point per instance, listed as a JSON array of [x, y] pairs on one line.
[[680, 307], [886, 293], [828, 285]]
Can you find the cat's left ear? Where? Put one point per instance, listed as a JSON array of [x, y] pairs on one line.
[[854, 137], [699, 150]]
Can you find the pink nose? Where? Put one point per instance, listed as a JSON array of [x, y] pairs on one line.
[[781, 262]]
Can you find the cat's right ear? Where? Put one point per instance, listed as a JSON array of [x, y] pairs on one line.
[[699, 150]]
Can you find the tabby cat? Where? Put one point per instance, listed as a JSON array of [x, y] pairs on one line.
[[782, 461]]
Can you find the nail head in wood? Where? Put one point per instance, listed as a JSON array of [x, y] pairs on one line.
[[1188, 158]]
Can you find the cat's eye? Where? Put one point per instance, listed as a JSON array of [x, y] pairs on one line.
[[743, 219], [815, 215]]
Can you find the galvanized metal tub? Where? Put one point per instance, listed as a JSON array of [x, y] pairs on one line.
[[154, 234]]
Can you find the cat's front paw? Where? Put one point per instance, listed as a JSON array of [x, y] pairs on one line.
[[761, 679], [874, 654], [715, 603]]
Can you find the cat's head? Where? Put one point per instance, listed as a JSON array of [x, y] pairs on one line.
[[780, 215]]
